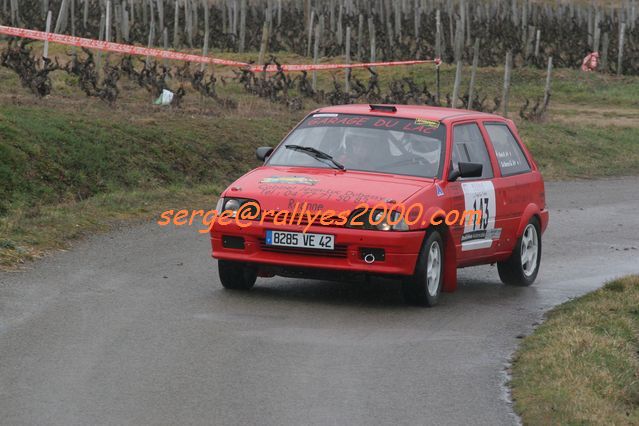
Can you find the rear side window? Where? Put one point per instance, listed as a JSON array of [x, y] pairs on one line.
[[510, 157], [469, 147]]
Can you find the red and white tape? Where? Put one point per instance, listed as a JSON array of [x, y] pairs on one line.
[[178, 56], [115, 47], [320, 67]]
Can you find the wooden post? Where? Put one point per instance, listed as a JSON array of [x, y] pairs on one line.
[[107, 31], [438, 36], [360, 37], [61, 22], [15, 13], [279, 13], [473, 73], [85, 14], [225, 27], [597, 31], [48, 30], [117, 17], [151, 38], [468, 37], [398, 19], [525, 35], [322, 26], [73, 18], [310, 33], [331, 19], [340, 29], [205, 48], [605, 45], [622, 34], [264, 43], [529, 42], [458, 71], [242, 26], [235, 16], [176, 19], [507, 71], [160, 8], [537, 39], [437, 84], [188, 20], [125, 23], [389, 26], [462, 21], [371, 37], [459, 40], [418, 17], [316, 54], [102, 30], [165, 43], [548, 79], [347, 71]]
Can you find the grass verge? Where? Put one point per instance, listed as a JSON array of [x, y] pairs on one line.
[[582, 365], [28, 233]]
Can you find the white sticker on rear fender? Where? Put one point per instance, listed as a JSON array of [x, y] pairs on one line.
[[479, 196]]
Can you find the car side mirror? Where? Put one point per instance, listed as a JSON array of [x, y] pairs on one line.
[[466, 170], [263, 152]]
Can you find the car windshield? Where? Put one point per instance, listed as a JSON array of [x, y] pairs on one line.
[[365, 143]]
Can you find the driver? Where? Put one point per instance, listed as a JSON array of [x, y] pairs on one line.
[[358, 153]]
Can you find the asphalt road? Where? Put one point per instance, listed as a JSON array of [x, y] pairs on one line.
[[134, 328]]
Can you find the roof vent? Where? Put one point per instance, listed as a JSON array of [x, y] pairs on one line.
[[383, 108]]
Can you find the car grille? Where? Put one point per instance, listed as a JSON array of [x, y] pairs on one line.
[[340, 251]]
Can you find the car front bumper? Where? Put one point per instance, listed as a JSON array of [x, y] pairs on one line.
[[401, 249]]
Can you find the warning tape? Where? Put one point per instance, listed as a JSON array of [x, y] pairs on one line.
[[115, 47], [318, 67], [167, 54]]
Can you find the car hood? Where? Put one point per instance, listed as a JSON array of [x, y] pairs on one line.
[[279, 188]]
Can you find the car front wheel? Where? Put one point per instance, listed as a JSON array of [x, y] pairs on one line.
[[424, 286], [522, 266], [236, 275]]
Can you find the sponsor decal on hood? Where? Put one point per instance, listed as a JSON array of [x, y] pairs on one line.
[[291, 180]]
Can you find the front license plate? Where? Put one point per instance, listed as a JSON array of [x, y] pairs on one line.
[[299, 239]]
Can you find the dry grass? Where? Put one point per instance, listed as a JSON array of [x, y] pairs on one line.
[[582, 365], [29, 233]]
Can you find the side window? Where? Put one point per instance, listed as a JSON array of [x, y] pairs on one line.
[[469, 147], [509, 155]]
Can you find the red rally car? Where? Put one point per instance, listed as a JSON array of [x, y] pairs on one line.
[[372, 190]]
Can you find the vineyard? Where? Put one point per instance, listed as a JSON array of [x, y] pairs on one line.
[[381, 29], [485, 33]]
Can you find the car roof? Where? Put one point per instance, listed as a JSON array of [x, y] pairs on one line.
[[411, 111]]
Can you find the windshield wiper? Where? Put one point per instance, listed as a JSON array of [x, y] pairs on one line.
[[317, 154]]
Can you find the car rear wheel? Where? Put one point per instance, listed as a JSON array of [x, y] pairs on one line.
[[424, 286], [236, 275], [522, 266]]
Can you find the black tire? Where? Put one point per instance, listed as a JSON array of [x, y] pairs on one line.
[[416, 289], [236, 275], [512, 271]]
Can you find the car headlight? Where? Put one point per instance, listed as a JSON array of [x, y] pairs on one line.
[[232, 204], [378, 220], [395, 223], [235, 204]]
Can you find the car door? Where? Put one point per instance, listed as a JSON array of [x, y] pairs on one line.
[[474, 239], [514, 184]]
